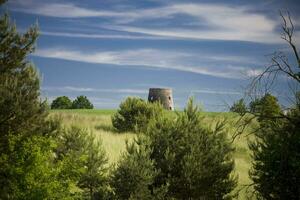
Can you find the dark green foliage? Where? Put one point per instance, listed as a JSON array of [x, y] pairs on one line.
[[239, 107], [28, 170], [84, 162], [20, 107], [254, 105], [180, 158], [276, 148], [134, 114], [135, 173], [26, 158], [268, 108], [276, 155], [82, 102], [195, 161], [62, 102]]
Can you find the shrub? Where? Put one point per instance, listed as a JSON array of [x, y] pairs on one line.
[[82, 102], [134, 114], [62, 102]]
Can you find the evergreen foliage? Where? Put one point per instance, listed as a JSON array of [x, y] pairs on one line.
[[254, 105], [134, 114], [134, 175], [82, 102], [195, 161], [267, 107], [26, 145], [62, 102], [275, 150], [239, 107], [276, 156], [84, 162], [20, 105], [180, 158]]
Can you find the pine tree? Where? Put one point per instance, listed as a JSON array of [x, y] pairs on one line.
[[84, 162], [134, 174], [20, 105], [239, 107], [178, 159], [26, 158], [195, 161]]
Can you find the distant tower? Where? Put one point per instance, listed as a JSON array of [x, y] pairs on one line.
[[163, 95]]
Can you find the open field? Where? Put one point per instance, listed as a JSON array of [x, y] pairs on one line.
[[99, 122]]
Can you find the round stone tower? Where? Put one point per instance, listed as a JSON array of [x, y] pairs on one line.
[[163, 95]]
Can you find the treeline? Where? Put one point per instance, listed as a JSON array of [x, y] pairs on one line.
[[266, 106], [171, 157], [64, 102]]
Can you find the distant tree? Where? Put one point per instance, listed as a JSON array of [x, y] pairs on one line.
[[239, 107], [254, 105], [134, 114], [267, 107], [82, 102], [62, 102]]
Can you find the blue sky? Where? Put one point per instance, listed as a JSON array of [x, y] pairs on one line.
[[111, 49]]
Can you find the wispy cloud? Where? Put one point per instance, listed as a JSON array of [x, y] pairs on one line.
[[63, 10], [151, 58], [222, 22], [81, 89], [218, 92], [102, 36], [237, 34]]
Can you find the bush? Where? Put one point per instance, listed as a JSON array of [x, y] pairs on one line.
[[82, 102], [62, 102], [134, 114]]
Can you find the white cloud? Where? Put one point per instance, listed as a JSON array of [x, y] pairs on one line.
[[81, 89], [211, 91], [200, 34], [101, 36], [148, 58], [223, 22], [64, 10]]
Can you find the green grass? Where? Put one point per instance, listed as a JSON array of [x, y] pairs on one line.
[[99, 122]]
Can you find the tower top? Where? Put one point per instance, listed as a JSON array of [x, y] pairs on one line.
[[162, 95]]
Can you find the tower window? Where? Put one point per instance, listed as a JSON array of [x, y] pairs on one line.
[[169, 98]]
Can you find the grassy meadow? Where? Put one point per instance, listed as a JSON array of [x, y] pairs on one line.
[[99, 123]]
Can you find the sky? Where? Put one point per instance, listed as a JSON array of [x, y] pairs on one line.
[[108, 50]]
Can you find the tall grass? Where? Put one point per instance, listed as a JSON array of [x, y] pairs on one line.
[[99, 122]]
